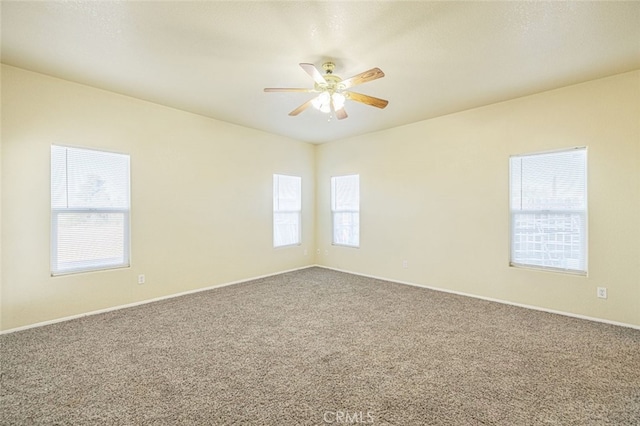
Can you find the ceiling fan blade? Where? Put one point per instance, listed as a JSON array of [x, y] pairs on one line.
[[286, 89], [372, 74], [366, 99], [301, 107], [314, 73]]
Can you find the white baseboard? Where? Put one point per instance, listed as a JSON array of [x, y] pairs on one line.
[[198, 290], [144, 302], [490, 299]]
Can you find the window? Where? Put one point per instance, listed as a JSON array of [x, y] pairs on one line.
[[89, 210], [548, 194], [345, 209], [287, 210]]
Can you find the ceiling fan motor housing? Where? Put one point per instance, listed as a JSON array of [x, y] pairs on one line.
[[332, 84], [328, 67]]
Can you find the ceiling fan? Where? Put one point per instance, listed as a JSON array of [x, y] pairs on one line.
[[334, 91]]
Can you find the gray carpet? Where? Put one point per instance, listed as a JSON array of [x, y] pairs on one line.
[[316, 347]]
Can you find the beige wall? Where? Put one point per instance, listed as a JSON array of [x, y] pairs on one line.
[[435, 193], [201, 203]]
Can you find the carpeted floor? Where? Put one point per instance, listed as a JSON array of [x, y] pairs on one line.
[[317, 347]]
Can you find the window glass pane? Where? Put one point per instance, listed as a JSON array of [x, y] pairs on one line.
[[58, 177], [97, 179], [548, 210], [549, 240], [90, 241], [346, 192], [346, 228], [345, 206], [286, 229], [83, 178], [287, 207], [90, 209], [287, 193], [552, 181]]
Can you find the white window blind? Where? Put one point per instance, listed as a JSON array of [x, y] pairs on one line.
[[287, 210], [548, 194], [345, 209], [89, 210]]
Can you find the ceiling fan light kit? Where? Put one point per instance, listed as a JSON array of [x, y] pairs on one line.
[[333, 91]]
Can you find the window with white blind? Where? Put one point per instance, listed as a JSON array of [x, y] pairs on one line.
[[89, 210], [345, 209], [287, 210], [548, 194]]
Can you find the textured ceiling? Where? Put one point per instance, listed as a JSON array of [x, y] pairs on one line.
[[215, 58]]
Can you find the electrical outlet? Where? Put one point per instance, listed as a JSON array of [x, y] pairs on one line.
[[602, 292], [141, 279], [405, 264]]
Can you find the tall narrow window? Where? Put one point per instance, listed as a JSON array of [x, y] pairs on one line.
[[287, 210], [345, 209], [548, 194], [89, 210]]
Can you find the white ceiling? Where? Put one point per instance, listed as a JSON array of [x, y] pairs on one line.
[[215, 58]]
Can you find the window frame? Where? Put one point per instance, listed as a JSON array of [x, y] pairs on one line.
[[335, 211], [581, 213], [56, 212]]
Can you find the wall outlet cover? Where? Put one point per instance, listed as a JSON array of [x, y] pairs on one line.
[[602, 292]]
